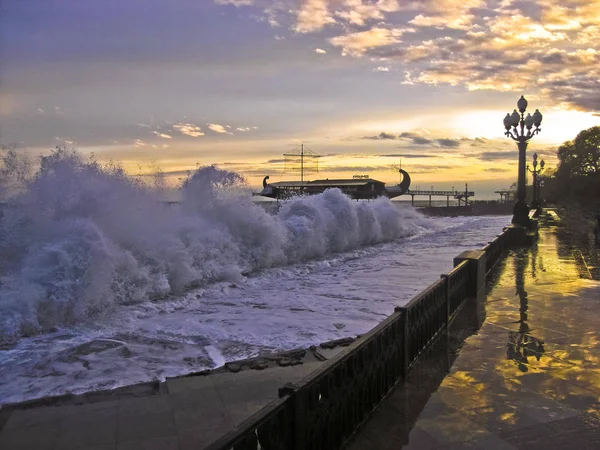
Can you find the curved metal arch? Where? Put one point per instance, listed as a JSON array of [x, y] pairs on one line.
[[405, 181]]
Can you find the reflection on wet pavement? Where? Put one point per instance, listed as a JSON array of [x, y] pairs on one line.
[[518, 369]]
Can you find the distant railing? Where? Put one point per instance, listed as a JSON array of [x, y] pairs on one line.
[[457, 281], [495, 249], [323, 410]]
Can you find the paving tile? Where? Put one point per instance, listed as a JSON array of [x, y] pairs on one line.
[[146, 405], [157, 443], [572, 433], [196, 441], [36, 437], [134, 427], [191, 422], [453, 427], [83, 432], [486, 443], [202, 400], [29, 418], [183, 384]]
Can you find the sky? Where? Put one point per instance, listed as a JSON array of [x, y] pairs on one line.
[[365, 84]]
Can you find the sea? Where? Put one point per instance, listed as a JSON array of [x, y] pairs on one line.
[[103, 285]]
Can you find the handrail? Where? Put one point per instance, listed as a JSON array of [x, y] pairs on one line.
[[271, 427]]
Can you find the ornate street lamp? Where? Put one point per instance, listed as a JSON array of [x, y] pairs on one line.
[[536, 203], [519, 129]]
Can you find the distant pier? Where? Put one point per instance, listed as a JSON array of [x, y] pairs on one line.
[[461, 196]]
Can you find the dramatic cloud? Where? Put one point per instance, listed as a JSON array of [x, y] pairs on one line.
[[188, 129], [478, 44]]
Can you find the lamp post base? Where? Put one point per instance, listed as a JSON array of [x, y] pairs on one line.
[[521, 214]]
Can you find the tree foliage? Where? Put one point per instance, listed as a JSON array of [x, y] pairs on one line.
[[577, 177], [581, 157]]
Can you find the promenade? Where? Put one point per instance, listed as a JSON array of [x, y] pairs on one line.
[[519, 369]]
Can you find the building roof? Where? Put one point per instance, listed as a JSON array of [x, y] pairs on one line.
[[327, 182]]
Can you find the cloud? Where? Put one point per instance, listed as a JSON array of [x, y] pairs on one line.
[[497, 169], [320, 50], [381, 69], [357, 44], [162, 135], [415, 138], [408, 155], [217, 128], [499, 156], [381, 136], [188, 129], [236, 3], [312, 16], [474, 44], [448, 143]]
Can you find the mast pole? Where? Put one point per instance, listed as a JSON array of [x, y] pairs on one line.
[[302, 164]]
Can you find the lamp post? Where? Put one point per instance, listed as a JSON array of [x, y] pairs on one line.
[[535, 203], [519, 129]]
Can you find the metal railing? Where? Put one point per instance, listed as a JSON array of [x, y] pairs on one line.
[[424, 317], [495, 249]]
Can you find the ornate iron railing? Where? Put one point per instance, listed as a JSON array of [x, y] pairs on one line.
[[332, 401], [424, 317]]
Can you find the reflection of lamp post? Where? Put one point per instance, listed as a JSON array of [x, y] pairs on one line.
[[515, 125], [521, 344], [535, 203]]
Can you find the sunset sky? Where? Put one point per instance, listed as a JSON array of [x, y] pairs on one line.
[[364, 83]]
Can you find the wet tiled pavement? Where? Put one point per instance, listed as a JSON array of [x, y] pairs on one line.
[[527, 376]]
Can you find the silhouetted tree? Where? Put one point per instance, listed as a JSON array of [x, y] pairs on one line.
[[581, 157], [578, 174]]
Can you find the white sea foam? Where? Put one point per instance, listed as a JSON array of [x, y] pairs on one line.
[[82, 239]]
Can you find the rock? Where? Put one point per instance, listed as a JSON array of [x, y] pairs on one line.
[[233, 367]]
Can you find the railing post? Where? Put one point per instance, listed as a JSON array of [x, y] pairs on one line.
[[477, 270], [299, 402], [405, 339], [446, 278]]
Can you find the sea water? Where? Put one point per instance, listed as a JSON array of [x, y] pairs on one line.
[[104, 286]]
